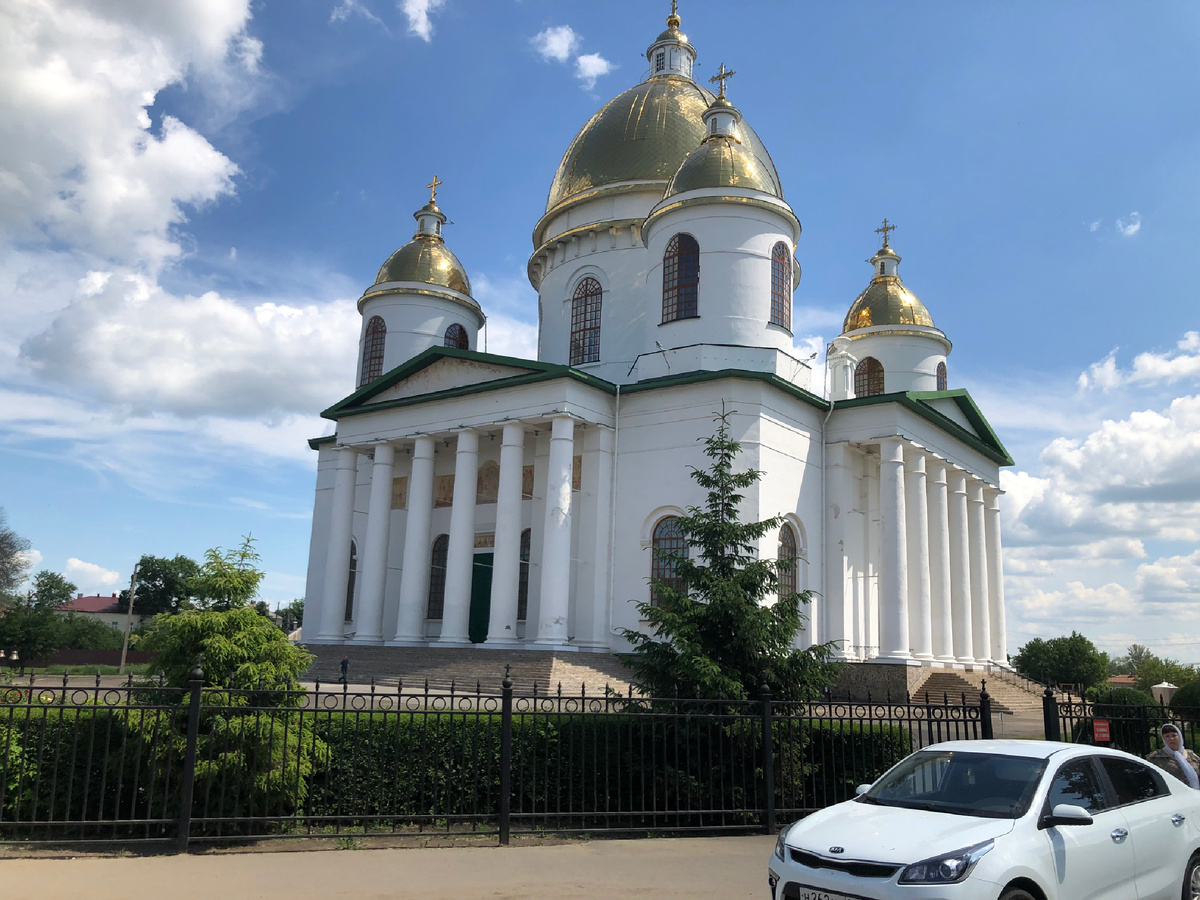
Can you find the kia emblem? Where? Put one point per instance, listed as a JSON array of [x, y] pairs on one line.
[[837, 849]]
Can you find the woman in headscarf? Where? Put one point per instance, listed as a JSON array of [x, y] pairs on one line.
[[1174, 758]]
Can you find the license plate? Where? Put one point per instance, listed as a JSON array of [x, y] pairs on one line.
[[804, 892]]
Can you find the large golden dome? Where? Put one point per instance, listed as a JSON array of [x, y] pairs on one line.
[[886, 301], [644, 134], [425, 260]]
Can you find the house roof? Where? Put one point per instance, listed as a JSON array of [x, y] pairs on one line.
[[92, 604]]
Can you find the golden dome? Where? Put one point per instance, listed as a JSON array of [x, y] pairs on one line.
[[723, 162], [644, 134], [426, 260], [886, 301]]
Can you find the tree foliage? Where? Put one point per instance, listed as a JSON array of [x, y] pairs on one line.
[[164, 585], [1072, 660], [13, 564], [31, 624], [229, 579], [1149, 669], [292, 615], [713, 631]]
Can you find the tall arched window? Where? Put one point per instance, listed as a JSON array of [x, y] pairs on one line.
[[941, 376], [372, 360], [523, 578], [351, 577], [456, 337], [585, 322], [437, 576], [868, 377], [667, 540], [787, 555], [681, 278], [781, 286]]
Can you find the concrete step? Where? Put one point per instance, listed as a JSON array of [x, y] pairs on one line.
[[952, 686]]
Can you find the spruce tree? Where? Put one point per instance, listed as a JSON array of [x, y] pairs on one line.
[[713, 631]]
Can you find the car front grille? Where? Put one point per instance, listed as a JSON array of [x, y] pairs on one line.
[[854, 867]]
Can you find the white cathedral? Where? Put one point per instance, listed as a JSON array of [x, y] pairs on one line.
[[469, 499]]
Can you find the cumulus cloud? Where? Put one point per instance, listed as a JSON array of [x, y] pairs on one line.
[[556, 43], [89, 577], [591, 66], [1131, 225], [418, 12], [1182, 362]]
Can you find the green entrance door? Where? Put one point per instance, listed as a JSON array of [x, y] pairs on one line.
[[481, 597]]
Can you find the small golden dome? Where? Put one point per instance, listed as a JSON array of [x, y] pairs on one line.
[[425, 260], [886, 301], [643, 134], [671, 34], [722, 162]]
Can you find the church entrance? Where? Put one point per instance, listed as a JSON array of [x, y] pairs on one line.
[[481, 597]]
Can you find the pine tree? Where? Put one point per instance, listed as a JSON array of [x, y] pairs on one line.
[[713, 631]]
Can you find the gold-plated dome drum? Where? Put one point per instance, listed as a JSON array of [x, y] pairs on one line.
[[426, 260], [886, 301]]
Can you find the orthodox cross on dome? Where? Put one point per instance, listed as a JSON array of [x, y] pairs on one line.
[[884, 231], [673, 20], [433, 186], [721, 75]]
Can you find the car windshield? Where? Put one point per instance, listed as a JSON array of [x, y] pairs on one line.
[[964, 784]]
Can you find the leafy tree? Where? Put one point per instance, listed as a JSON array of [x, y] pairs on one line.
[[236, 644], [229, 579], [1070, 660], [713, 633], [31, 625], [12, 557], [164, 585], [76, 632], [292, 614]]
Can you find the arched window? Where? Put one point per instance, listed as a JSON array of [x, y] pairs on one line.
[[437, 576], [781, 286], [941, 376], [868, 377], [667, 540], [585, 322], [372, 360], [787, 555], [523, 578], [351, 577], [681, 278], [456, 337]]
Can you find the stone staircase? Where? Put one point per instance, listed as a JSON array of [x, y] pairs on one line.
[[1007, 696], [468, 667]]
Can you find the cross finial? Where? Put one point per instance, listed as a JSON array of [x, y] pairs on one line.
[[721, 75], [884, 231], [433, 186]]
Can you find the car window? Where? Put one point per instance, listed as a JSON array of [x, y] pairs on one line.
[[1133, 781], [960, 783], [1078, 784]]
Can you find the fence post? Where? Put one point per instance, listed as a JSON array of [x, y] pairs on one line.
[[188, 784], [505, 757], [1050, 715], [768, 762], [985, 711]]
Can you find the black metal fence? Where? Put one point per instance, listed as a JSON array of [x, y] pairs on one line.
[[156, 764], [1129, 726]]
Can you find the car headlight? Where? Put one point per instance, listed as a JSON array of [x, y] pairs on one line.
[[780, 845], [949, 868]]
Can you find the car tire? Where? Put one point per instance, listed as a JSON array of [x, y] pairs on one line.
[[1018, 894], [1191, 880]]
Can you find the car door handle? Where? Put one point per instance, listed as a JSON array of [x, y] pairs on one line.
[[1118, 835], [1177, 819]]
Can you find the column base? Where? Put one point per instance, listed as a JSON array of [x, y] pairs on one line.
[[893, 660], [328, 639], [369, 641], [553, 645], [501, 643], [453, 642], [406, 642], [923, 657]]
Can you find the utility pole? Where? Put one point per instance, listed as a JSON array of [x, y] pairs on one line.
[[128, 621]]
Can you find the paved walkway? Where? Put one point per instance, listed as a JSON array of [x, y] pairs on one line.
[[714, 868]]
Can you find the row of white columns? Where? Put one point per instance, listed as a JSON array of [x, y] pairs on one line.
[[415, 566], [941, 593]]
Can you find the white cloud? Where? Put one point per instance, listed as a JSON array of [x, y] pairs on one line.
[[30, 560], [1130, 226], [89, 577], [591, 66], [1095, 225], [347, 8], [417, 12], [556, 43], [1148, 368]]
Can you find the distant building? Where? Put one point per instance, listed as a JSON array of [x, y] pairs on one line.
[[101, 608], [1122, 681]]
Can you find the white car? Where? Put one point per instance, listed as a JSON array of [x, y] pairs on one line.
[[1000, 820]]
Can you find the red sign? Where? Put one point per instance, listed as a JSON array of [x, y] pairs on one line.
[[1100, 730]]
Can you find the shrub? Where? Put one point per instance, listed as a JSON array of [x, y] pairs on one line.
[[1186, 702]]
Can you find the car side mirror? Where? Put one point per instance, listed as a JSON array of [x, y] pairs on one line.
[[861, 789], [1066, 814]]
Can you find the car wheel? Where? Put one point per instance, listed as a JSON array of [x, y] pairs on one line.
[[1191, 879], [1018, 894]]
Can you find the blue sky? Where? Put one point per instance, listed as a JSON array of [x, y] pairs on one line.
[[193, 193]]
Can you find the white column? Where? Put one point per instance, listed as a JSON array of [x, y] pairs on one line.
[[838, 592], [556, 540], [506, 566], [981, 628], [594, 520], [893, 575], [995, 562], [337, 560], [414, 576], [373, 560], [939, 563], [920, 627], [960, 568], [460, 556]]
